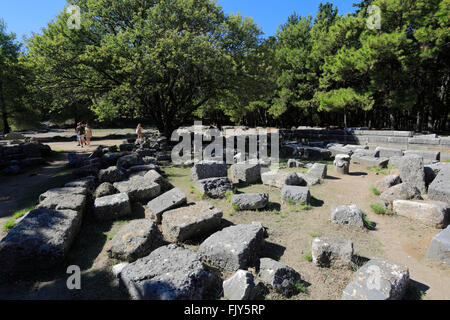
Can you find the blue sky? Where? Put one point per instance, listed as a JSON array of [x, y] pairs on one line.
[[24, 16]]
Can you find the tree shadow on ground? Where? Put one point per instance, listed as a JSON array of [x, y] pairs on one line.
[[198, 240], [415, 290], [332, 178], [272, 250], [358, 261], [273, 206], [316, 202], [357, 174]]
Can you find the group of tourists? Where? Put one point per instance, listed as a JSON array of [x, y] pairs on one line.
[[84, 134]]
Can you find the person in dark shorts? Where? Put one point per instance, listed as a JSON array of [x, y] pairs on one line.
[[80, 134]]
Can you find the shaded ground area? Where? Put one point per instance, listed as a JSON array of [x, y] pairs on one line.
[[291, 231]]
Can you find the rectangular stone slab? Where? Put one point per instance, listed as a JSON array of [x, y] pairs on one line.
[[169, 200], [191, 221], [40, 241]]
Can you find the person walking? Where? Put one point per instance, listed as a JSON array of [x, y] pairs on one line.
[[139, 131], [88, 134], [80, 134]]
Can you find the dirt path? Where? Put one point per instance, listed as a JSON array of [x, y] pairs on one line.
[[21, 191]]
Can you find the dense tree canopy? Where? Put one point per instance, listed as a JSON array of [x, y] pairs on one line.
[[168, 62]]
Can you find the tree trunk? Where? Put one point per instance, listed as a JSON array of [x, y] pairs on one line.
[[6, 127]]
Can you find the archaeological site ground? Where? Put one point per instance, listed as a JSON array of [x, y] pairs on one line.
[[173, 150]]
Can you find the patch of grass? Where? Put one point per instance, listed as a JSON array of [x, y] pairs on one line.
[[367, 223], [276, 211], [378, 208], [11, 223], [300, 287], [290, 202], [305, 207], [303, 171], [229, 194], [315, 235], [308, 257], [236, 207], [375, 191], [446, 161]]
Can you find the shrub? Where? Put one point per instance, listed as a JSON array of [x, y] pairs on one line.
[[308, 257], [375, 191], [378, 208]]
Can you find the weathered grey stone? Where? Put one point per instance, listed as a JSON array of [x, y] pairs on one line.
[[412, 172], [169, 200], [208, 169], [296, 194], [246, 172], [369, 161], [66, 191], [110, 158], [440, 247], [88, 170], [278, 275], [129, 161], [168, 273], [112, 207], [383, 184], [335, 150], [14, 136], [142, 169], [378, 280], [342, 163], [139, 189], [278, 179], [432, 170], [86, 183], [233, 248], [366, 152], [402, 191], [136, 240], [64, 199], [355, 147], [126, 147], [250, 201], [318, 170], [424, 140], [192, 221], [154, 176], [439, 189], [117, 269], [432, 213], [332, 252], [388, 152], [425, 154], [294, 163], [310, 180], [111, 175], [314, 153], [105, 189], [240, 286], [40, 241], [350, 215], [213, 187]]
